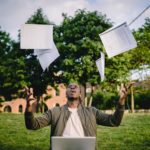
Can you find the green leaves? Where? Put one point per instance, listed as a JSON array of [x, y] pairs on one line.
[[79, 45]]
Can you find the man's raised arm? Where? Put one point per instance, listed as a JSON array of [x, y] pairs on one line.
[[114, 119], [31, 122]]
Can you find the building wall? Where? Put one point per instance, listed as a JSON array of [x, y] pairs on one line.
[[14, 105], [19, 105]]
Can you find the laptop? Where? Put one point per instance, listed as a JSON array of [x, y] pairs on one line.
[[73, 143]]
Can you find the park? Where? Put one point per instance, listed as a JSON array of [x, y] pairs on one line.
[[78, 54]]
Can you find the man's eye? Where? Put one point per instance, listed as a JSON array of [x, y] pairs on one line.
[[72, 86]]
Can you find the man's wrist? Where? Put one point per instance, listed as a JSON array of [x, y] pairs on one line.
[[122, 101], [28, 108]]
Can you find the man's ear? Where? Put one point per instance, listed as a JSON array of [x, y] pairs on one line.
[[80, 99]]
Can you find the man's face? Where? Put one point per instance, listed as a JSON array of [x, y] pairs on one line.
[[73, 91]]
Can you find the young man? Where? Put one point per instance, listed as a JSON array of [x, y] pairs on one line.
[[74, 119]]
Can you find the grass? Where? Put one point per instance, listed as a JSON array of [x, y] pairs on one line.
[[133, 134]]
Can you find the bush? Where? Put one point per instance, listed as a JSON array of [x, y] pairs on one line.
[[2, 98], [47, 97], [105, 100], [108, 100], [142, 100]]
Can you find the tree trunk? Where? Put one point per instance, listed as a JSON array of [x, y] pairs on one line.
[[132, 100], [90, 103], [83, 93]]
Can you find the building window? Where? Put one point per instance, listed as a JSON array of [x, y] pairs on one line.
[[7, 109], [57, 105], [20, 108], [57, 92]]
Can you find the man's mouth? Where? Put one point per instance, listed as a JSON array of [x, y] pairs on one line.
[[73, 91]]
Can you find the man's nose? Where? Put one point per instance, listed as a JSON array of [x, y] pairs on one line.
[[72, 88]]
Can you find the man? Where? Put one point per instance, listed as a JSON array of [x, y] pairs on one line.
[[74, 119]]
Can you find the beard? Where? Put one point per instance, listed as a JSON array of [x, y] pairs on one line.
[[71, 99]]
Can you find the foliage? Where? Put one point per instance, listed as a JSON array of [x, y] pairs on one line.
[[12, 73], [39, 18], [140, 54], [37, 78], [47, 97], [20, 68], [118, 68], [2, 99], [142, 100], [104, 99], [79, 44], [142, 96], [77, 39]]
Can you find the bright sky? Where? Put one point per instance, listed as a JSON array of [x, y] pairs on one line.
[[14, 13]]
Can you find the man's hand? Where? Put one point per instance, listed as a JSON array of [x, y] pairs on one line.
[[30, 99], [123, 92]]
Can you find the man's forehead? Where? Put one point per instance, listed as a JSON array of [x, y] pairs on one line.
[[73, 85]]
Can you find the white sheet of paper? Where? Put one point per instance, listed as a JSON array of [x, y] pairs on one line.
[[100, 63], [48, 57], [117, 40], [35, 36], [38, 52]]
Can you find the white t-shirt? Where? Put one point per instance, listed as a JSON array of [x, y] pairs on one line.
[[73, 126]]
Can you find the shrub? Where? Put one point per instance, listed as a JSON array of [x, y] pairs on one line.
[[105, 100]]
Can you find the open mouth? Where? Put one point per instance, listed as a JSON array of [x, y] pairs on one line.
[[72, 92]]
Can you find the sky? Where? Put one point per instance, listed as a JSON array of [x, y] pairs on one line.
[[14, 13]]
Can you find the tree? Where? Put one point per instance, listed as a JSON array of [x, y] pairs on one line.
[[12, 75], [37, 78], [140, 56], [142, 52], [20, 68], [78, 40], [118, 69], [80, 46]]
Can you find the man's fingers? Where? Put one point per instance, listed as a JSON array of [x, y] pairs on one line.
[[123, 87], [26, 89], [29, 94], [30, 101], [124, 91], [31, 90], [130, 85]]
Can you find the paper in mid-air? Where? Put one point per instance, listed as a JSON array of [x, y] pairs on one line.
[[117, 40], [100, 63], [39, 38], [46, 56], [35, 36]]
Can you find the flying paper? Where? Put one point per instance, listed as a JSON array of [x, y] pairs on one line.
[[38, 52], [35, 36], [117, 40], [46, 56], [100, 63]]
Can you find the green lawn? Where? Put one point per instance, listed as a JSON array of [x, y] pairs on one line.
[[133, 134]]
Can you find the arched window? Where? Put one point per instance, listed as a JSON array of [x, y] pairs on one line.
[[57, 105], [7, 109], [20, 108], [57, 92]]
